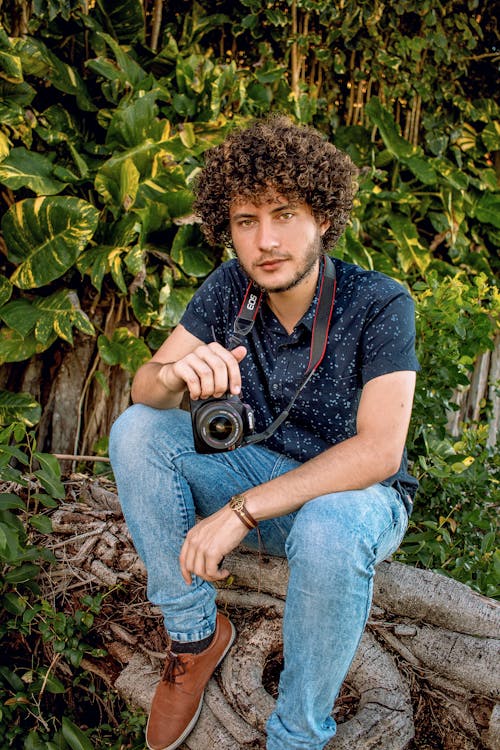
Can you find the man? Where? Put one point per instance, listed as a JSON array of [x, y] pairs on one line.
[[328, 486]]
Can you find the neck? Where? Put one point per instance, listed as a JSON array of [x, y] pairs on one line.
[[290, 306]]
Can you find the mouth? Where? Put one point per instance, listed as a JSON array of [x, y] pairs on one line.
[[271, 264]]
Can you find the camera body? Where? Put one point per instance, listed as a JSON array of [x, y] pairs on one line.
[[220, 424]]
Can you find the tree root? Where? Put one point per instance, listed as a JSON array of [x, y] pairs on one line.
[[431, 643]]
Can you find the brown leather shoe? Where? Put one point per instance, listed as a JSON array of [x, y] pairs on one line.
[[178, 698]]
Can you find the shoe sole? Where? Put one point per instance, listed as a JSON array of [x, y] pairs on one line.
[[193, 721]]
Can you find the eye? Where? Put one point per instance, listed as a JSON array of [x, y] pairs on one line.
[[286, 215]]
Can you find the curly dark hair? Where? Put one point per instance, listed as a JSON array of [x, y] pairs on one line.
[[275, 156]]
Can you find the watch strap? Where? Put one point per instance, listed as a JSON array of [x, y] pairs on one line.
[[237, 505]]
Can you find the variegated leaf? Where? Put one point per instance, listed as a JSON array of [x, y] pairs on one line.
[[46, 236]]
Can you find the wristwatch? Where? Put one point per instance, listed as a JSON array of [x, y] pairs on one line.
[[237, 504]]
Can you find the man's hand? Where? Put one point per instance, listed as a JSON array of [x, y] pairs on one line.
[[183, 362], [209, 370], [208, 542]]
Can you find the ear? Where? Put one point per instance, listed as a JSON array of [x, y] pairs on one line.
[[323, 226]]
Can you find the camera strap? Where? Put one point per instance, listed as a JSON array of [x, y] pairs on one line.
[[247, 315], [319, 336]]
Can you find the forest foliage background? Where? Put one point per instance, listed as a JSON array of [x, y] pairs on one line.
[[106, 109]]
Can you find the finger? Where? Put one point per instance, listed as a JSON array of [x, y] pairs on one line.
[[217, 362], [185, 567], [231, 360], [197, 375]]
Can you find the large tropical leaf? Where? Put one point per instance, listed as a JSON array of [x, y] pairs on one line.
[[143, 176], [188, 252], [488, 209], [124, 349], [127, 73], [39, 61], [27, 169], [125, 17], [18, 407], [14, 347], [59, 313], [389, 131], [46, 236], [10, 64], [132, 123], [20, 315], [411, 252]]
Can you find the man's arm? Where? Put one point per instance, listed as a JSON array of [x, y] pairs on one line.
[[184, 362], [370, 456]]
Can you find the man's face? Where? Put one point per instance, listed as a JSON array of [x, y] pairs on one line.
[[278, 243]]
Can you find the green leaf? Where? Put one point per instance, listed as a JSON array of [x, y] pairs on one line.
[[59, 313], [16, 605], [488, 209], [10, 67], [389, 131], [175, 306], [421, 168], [411, 252], [51, 484], [134, 122], [23, 168], [74, 736], [188, 254], [135, 75], [46, 235], [19, 407], [126, 18], [34, 742], [9, 501], [41, 523], [25, 572], [491, 135], [16, 348], [20, 315], [123, 349], [39, 61], [5, 290], [52, 684]]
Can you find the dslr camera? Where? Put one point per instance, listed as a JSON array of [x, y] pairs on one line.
[[220, 424]]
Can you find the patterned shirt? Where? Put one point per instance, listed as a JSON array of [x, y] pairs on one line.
[[372, 332]]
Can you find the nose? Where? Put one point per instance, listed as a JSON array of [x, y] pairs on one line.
[[267, 236]]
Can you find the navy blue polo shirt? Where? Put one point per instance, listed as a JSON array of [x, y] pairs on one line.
[[372, 332]]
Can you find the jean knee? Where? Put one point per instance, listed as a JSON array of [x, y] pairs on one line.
[[142, 430], [327, 536], [128, 431]]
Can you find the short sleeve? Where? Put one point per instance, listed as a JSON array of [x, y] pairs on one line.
[[388, 341], [211, 312]]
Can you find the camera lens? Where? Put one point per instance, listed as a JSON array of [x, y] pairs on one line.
[[220, 426]]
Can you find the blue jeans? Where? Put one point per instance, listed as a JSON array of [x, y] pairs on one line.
[[332, 545]]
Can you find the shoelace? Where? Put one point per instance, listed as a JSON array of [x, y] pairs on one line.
[[174, 667]]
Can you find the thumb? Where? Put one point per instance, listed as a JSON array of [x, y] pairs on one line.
[[239, 353]]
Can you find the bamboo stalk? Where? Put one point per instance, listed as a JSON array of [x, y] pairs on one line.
[[350, 106], [73, 457], [416, 123], [156, 24], [294, 52]]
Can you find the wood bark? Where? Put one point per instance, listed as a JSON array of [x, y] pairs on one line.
[[430, 652]]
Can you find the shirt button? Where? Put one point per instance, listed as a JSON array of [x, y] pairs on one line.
[[275, 386]]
